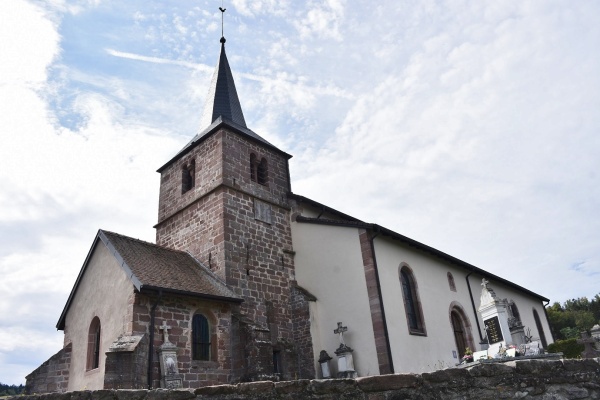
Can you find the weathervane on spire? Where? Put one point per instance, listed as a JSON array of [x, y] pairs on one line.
[[222, 9]]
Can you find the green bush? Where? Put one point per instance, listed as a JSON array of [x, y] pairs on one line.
[[570, 348]]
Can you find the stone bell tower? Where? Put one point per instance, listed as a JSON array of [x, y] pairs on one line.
[[223, 198]]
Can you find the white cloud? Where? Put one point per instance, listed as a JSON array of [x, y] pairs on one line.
[[253, 8], [159, 60], [470, 136], [29, 42], [322, 19]]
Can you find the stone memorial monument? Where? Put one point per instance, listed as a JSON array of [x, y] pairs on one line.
[[495, 316], [344, 355], [589, 349], [595, 332], [324, 359], [170, 376]]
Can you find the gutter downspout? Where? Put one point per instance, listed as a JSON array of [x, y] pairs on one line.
[[474, 309], [548, 320], [151, 344], [385, 328]]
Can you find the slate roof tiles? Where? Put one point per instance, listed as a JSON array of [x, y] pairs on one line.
[[160, 267]]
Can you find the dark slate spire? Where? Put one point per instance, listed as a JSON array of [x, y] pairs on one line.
[[222, 108], [222, 100]]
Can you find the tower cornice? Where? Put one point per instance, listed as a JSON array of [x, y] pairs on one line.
[[218, 124]]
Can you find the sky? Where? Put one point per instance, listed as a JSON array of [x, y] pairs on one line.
[[472, 127]]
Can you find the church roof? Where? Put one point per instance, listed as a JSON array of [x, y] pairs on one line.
[[346, 220], [222, 109], [152, 268]]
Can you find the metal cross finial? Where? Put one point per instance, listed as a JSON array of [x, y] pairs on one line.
[[222, 9], [340, 331]]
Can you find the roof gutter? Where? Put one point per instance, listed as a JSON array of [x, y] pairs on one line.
[[548, 320], [148, 288], [151, 344]]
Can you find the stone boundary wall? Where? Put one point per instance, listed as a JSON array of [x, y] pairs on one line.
[[535, 379]]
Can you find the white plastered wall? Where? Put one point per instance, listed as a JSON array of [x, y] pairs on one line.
[[329, 265], [103, 291], [412, 353]]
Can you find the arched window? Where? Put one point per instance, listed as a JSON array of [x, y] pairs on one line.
[[200, 338], [412, 304], [262, 172], [451, 282], [540, 328], [93, 352], [514, 319], [188, 176], [259, 171]]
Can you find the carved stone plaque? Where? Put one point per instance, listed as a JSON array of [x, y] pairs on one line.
[[173, 383], [492, 326], [262, 211]]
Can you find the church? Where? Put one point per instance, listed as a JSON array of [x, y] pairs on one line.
[[250, 281]]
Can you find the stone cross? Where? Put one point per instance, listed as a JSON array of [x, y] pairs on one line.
[[340, 331], [588, 342], [484, 283], [165, 328]]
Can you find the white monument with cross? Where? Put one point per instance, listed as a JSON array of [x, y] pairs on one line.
[[344, 355], [494, 314]]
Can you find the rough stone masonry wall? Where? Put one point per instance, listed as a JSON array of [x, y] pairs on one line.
[[535, 379], [177, 312], [302, 338], [53, 375]]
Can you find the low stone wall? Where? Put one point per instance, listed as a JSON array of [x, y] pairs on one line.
[[51, 376], [536, 379]]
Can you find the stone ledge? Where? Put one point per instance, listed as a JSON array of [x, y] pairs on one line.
[[215, 390], [388, 382], [446, 375], [256, 387], [489, 370], [329, 386], [285, 387], [576, 379]]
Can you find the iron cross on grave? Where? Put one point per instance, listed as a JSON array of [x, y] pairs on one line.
[[165, 328], [340, 331]]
